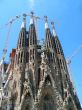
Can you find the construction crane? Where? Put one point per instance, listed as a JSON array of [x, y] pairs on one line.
[[6, 46], [4, 54], [68, 61], [3, 58], [74, 53], [36, 18], [7, 37]]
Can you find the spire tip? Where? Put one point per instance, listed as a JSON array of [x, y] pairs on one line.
[[46, 22], [53, 29], [24, 21], [32, 18]]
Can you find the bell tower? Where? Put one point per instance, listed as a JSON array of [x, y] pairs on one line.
[[20, 62], [32, 41]]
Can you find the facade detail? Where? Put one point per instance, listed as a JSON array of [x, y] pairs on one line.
[[38, 73]]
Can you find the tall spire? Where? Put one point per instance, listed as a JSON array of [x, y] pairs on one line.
[[24, 21], [53, 29], [22, 35], [32, 19], [46, 22]]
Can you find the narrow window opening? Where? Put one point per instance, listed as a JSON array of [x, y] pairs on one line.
[[39, 75]]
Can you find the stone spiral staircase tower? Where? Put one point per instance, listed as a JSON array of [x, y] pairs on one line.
[[40, 76]]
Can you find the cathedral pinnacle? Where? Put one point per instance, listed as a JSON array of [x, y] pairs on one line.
[[24, 21], [32, 19], [46, 22], [53, 29]]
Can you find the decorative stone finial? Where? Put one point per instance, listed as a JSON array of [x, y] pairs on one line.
[[32, 19], [43, 50], [43, 46], [53, 29], [24, 21], [46, 22], [43, 57]]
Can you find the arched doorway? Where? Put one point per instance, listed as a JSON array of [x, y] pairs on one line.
[[48, 103]]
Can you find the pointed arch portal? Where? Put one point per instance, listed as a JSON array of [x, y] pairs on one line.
[[48, 103], [47, 97]]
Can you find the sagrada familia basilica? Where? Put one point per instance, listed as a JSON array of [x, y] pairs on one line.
[[38, 78]]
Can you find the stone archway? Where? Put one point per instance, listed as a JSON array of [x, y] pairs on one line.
[[27, 102], [48, 103], [47, 99]]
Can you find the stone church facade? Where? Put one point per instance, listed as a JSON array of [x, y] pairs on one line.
[[40, 79]]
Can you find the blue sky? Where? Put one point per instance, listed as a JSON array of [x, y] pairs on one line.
[[67, 15]]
